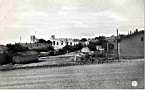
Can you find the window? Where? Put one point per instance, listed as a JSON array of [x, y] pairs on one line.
[[70, 43], [57, 43], [61, 42], [53, 42], [142, 38]]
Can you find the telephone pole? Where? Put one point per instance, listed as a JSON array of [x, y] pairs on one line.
[[20, 39], [117, 46]]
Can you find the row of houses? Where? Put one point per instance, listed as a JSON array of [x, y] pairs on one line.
[[131, 45], [58, 43], [128, 46]]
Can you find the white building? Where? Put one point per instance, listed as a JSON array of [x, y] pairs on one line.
[[33, 39], [58, 43]]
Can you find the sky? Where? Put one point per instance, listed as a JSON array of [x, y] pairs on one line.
[[68, 18]]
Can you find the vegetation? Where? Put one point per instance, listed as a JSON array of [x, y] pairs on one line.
[[49, 42], [92, 46], [16, 51], [44, 41], [45, 49], [13, 49], [4, 59], [102, 42], [67, 49], [83, 40], [16, 48]]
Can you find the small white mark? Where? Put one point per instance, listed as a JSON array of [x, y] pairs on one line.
[[134, 83]]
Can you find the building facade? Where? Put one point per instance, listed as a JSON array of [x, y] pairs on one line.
[[59, 43], [132, 45]]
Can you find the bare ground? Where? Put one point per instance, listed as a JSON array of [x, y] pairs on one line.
[[108, 76]]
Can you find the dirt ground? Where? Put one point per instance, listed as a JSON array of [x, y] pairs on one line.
[[102, 76]]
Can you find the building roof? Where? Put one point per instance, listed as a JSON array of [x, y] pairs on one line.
[[66, 39], [131, 35]]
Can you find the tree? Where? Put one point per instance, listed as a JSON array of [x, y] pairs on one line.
[[92, 46], [100, 38], [16, 48], [49, 42], [136, 30], [42, 41], [83, 40], [111, 46], [78, 46], [50, 48], [101, 41], [68, 48], [13, 49]]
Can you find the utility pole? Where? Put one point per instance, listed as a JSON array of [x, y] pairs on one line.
[[107, 49], [117, 46], [20, 39]]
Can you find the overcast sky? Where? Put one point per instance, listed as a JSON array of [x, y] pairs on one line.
[[68, 18]]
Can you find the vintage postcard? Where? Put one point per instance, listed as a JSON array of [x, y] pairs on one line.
[[71, 44]]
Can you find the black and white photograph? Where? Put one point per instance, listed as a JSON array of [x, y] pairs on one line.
[[72, 44]]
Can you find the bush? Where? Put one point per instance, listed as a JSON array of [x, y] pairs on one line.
[[4, 59], [46, 49], [69, 48], [92, 46], [16, 48], [25, 57], [66, 49]]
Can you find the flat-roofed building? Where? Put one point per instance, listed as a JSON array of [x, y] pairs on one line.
[[58, 43]]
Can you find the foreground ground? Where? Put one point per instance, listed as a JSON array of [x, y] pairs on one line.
[[117, 75]]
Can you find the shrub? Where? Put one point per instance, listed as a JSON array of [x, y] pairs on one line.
[[4, 59], [16, 48], [45, 49]]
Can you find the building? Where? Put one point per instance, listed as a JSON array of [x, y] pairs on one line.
[[132, 45], [33, 44], [58, 43], [33, 39], [111, 38], [99, 48], [3, 49]]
